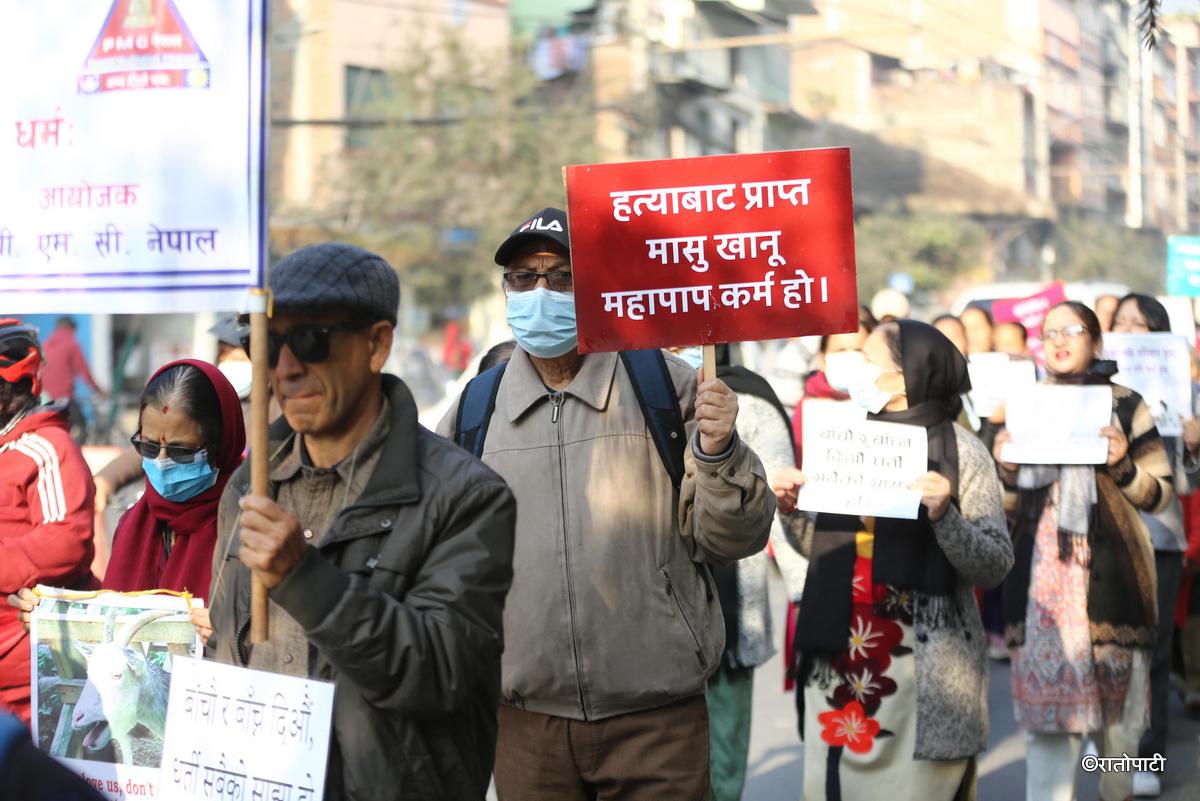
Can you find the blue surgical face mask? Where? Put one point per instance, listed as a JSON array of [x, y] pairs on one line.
[[865, 392], [180, 482], [543, 321], [694, 356]]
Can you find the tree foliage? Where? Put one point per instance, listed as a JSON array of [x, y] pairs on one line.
[[933, 247], [1093, 249], [463, 146], [1149, 19]]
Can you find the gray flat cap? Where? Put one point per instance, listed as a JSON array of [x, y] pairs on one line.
[[336, 276]]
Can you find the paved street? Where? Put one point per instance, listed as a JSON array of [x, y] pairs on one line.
[[776, 768]]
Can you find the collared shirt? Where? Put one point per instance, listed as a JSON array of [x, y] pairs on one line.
[[315, 496]]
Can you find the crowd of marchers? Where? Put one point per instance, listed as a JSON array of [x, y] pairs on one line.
[[564, 589]]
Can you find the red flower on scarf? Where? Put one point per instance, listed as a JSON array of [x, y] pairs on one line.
[[864, 683], [872, 638], [849, 726]]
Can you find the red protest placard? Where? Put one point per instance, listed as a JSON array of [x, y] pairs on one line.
[[1030, 312], [708, 250]]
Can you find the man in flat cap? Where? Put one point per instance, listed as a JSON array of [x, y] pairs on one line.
[[387, 552]]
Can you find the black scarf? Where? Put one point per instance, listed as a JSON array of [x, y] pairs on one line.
[[906, 552]]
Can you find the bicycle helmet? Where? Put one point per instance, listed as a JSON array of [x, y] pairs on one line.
[[20, 354]]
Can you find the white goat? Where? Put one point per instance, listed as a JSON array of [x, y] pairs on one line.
[[123, 689]]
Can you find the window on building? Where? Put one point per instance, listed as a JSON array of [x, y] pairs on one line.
[[365, 89]]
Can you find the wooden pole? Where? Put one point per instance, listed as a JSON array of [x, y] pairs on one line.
[[259, 445], [710, 362]]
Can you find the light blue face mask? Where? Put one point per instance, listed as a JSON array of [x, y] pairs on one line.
[[543, 321], [865, 392], [694, 356], [180, 482]]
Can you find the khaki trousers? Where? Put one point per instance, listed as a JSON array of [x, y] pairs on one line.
[[657, 755]]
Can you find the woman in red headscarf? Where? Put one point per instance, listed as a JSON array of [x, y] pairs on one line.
[[191, 438]]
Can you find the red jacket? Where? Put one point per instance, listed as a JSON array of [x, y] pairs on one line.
[[64, 361], [46, 499]]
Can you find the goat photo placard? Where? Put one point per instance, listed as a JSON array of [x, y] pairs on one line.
[[100, 684]]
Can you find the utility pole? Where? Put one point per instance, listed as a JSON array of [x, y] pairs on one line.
[[1135, 213]]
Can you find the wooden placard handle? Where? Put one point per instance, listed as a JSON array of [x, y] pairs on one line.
[[259, 455]]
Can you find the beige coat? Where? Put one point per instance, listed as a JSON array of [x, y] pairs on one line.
[[612, 609]]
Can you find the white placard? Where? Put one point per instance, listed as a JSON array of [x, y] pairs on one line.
[[1159, 368], [236, 733], [1181, 313], [131, 155], [994, 376], [861, 467], [1054, 424], [101, 675]]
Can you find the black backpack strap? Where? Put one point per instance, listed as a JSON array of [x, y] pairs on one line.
[[656, 395], [475, 409]]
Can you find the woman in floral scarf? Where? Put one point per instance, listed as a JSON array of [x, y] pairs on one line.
[[892, 655]]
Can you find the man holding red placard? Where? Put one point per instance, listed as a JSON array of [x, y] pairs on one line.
[[629, 477]]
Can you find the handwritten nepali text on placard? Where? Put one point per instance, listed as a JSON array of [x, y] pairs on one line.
[[234, 733], [1159, 368], [861, 467]]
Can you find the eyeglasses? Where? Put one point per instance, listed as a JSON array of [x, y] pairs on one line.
[[308, 342], [176, 453], [1066, 332], [558, 281]]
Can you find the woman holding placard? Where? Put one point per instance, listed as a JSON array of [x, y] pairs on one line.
[[838, 362], [894, 665], [1080, 602], [190, 437], [1142, 314]]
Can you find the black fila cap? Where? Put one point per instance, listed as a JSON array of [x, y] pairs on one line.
[[546, 224]]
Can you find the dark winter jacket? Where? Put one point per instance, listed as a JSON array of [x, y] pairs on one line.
[[401, 602]]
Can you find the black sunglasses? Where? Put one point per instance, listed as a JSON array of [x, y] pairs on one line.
[[176, 453], [308, 342]]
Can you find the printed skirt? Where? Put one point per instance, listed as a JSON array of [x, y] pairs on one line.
[[860, 712]]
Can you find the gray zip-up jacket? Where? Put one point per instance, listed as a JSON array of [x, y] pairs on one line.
[[612, 610]]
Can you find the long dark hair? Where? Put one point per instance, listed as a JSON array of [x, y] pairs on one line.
[[1157, 319], [189, 390]]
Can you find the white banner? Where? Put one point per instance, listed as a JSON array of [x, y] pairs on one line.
[[1159, 368], [996, 375], [1053, 424], [101, 678], [131, 158], [240, 734], [860, 467]]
